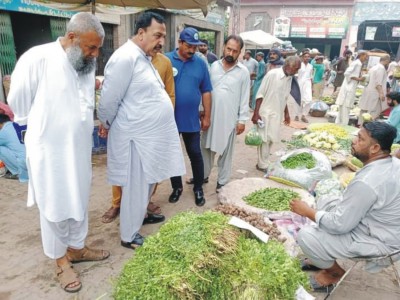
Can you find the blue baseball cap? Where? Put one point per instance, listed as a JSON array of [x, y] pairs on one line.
[[190, 35]]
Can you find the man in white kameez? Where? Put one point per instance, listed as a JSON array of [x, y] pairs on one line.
[[229, 112], [374, 93], [271, 106], [347, 92], [143, 141], [305, 83], [52, 91], [365, 221]]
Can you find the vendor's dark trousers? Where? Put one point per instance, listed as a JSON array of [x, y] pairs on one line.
[[192, 145]]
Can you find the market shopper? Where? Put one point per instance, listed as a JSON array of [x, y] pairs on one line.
[[318, 78], [143, 141], [192, 86], [231, 88], [394, 117], [259, 77], [340, 67], [271, 106], [347, 93], [52, 91], [12, 149], [305, 76], [203, 48], [275, 60], [365, 221], [374, 93], [164, 68]]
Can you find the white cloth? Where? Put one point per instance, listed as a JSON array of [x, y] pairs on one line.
[[347, 91], [132, 213], [251, 64], [224, 162], [275, 91], [370, 98], [58, 236], [305, 75], [230, 95], [137, 107], [56, 103], [365, 222]]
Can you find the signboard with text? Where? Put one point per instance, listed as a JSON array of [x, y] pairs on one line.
[[330, 23]]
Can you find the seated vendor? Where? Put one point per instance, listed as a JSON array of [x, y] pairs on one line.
[[12, 149], [393, 100], [365, 221]]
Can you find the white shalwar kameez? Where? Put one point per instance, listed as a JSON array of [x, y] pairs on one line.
[[275, 91], [305, 75], [143, 142], [57, 104], [230, 94], [347, 92], [370, 101], [364, 223]]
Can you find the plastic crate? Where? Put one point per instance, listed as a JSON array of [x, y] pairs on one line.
[[99, 145]]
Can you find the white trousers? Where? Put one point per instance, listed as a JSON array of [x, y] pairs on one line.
[[135, 198], [343, 115], [263, 154], [303, 109], [224, 162], [58, 236]]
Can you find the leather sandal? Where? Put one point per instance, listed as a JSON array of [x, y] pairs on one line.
[[66, 276], [86, 254], [136, 242]]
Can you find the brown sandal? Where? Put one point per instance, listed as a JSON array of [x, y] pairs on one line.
[[86, 254], [153, 209], [66, 276], [110, 215]]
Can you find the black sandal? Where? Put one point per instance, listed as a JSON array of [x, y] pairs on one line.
[[136, 242], [191, 180]]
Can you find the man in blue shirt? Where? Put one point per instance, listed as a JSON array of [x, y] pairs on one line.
[[12, 149], [192, 84]]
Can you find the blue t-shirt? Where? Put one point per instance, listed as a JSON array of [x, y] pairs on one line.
[[191, 81]]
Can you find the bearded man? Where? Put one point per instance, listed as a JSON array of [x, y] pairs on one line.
[[52, 91]]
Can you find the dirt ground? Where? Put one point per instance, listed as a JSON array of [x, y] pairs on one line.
[[27, 274]]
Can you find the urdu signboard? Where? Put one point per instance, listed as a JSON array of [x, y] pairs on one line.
[[314, 23]]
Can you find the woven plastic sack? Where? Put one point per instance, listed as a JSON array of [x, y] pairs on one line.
[[253, 138], [303, 177], [319, 106]]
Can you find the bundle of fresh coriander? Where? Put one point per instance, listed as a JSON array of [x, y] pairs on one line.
[[271, 199], [200, 256]]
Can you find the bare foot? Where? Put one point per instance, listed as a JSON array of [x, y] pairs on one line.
[[110, 215], [330, 276]]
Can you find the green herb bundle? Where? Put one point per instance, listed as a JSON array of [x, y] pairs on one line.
[[202, 257], [302, 160], [271, 199]]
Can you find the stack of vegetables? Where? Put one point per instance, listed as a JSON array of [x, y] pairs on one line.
[[272, 199], [329, 100], [197, 256]]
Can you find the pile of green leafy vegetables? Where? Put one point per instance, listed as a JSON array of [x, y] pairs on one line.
[[201, 256], [301, 160], [271, 199]]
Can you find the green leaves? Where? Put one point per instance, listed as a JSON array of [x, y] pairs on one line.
[[272, 199], [200, 256], [302, 160]]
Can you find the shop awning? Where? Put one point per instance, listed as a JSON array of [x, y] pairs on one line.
[[259, 39]]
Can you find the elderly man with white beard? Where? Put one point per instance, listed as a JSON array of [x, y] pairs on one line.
[[52, 91]]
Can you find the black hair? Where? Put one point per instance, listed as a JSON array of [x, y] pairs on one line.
[[348, 52], [204, 41], [394, 96], [4, 118], [144, 20], [236, 38], [382, 132]]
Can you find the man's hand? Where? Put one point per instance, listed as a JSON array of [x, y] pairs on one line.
[[255, 117], [240, 128], [301, 208], [205, 123], [103, 133]]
